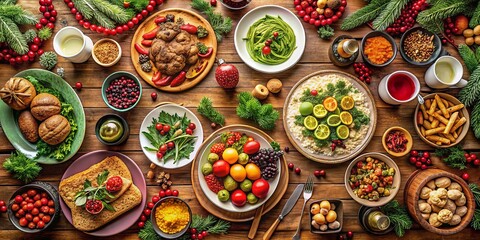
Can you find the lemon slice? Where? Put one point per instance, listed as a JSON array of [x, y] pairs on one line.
[[334, 120], [347, 103], [310, 122], [343, 132], [346, 118], [322, 132], [319, 111], [330, 104]]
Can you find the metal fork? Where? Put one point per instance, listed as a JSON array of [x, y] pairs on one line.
[[307, 194]]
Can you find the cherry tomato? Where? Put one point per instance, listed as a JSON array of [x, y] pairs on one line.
[[153, 96], [155, 199], [189, 131], [18, 199], [238, 198], [46, 218], [465, 176], [37, 203], [15, 207], [147, 212], [3, 209], [426, 154], [163, 148], [44, 201], [31, 193], [78, 86], [40, 224], [166, 128], [159, 127], [141, 224], [170, 145], [23, 222], [159, 155], [175, 193], [266, 50], [150, 205], [143, 218], [161, 194], [192, 126]]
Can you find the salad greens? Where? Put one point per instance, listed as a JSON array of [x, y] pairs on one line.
[[22, 168]]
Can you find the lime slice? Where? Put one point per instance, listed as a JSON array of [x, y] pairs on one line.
[[346, 118], [306, 108], [347, 103], [322, 132], [333, 120], [319, 111], [310, 122], [343, 132], [337, 111]]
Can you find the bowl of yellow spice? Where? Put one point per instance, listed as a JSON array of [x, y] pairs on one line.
[[106, 52], [171, 217]]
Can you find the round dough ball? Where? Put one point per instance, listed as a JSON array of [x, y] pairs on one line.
[[455, 220], [443, 182], [455, 186], [445, 216], [461, 201], [469, 41], [425, 193], [454, 194], [433, 220], [274, 85], [461, 211]]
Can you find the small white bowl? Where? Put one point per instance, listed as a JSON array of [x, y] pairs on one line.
[[114, 61]]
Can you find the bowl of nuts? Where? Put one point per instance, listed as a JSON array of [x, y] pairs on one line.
[[326, 216], [420, 47]]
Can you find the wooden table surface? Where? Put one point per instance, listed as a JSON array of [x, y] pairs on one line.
[[315, 58]]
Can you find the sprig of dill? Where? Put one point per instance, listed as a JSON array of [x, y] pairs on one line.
[[206, 108], [452, 156], [250, 108], [398, 216], [22, 167]]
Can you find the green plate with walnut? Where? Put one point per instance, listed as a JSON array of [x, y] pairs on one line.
[[9, 124]]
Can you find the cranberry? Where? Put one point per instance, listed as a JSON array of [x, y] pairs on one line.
[[78, 86], [147, 212], [175, 193], [298, 170], [349, 234], [413, 160], [3, 209], [424, 167], [476, 162], [314, 92], [153, 96], [473, 156], [161, 194], [465, 176], [143, 218], [168, 192], [316, 173], [150, 205], [141, 224], [155, 199], [290, 165], [418, 164]]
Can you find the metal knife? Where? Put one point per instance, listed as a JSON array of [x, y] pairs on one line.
[[286, 209]]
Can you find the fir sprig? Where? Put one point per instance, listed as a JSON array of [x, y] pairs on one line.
[[468, 57], [114, 12], [475, 120], [102, 12], [10, 34], [475, 224], [452, 156], [475, 20], [206, 109], [432, 18], [325, 32], [398, 216], [29, 35], [45, 33], [470, 94], [391, 12], [221, 25], [22, 168], [250, 108], [365, 14]]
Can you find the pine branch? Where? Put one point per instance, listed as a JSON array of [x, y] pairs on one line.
[[475, 20], [103, 20], [470, 94], [364, 14], [8, 2], [114, 12], [25, 17], [85, 7], [475, 118], [468, 57], [13, 36], [391, 12], [432, 18], [10, 10]]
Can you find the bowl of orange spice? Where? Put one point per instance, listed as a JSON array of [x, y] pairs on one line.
[[171, 217], [106, 52], [378, 49]]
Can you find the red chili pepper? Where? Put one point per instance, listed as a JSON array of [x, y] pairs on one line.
[[156, 76], [179, 79], [189, 28], [160, 19], [147, 43], [150, 35], [140, 49], [165, 81], [207, 54]]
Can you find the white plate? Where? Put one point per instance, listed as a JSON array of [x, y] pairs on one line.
[[228, 205], [171, 109], [260, 12]]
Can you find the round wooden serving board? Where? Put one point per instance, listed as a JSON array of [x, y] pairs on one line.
[[189, 17], [333, 159], [236, 216]]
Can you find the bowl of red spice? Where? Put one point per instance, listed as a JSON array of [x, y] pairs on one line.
[[378, 49], [397, 141], [106, 52]]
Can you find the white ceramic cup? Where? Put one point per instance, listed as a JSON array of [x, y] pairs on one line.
[[433, 81], [83, 54], [385, 94]]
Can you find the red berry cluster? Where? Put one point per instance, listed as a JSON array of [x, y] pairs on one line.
[[148, 208], [349, 235], [363, 72], [450, 28], [319, 173], [472, 159], [163, 130], [421, 160], [119, 29], [297, 170], [3, 207], [198, 235], [48, 20], [307, 9], [337, 143], [33, 209], [407, 17], [266, 49]]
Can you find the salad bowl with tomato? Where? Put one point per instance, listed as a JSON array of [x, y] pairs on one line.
[[238, 169]]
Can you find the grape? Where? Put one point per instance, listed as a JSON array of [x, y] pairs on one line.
[[266, 160]]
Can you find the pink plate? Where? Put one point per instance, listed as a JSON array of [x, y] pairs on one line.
[[124, 221]]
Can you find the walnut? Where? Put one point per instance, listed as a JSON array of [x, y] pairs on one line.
[[425, 193], [454, 186], [425, 207], [433, 220], [436, 209], [461, 201], [461, 211], [454, 194], [426, 216], [445, 216], [442, 193], [450, 206], [274, 85], [443, 182], [431, 184], [455, 220], [436, 198]]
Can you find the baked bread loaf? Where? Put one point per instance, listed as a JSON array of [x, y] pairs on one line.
[[28, 126], [81, 219], [45, 105], [18, 93], [54, 130]]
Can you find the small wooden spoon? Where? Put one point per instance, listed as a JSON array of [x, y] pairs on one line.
[[255, 223]]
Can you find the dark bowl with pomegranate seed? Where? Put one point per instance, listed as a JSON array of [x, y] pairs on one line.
[[45, 205], [121, 91], [435, 40], [378, 34], [235, 4], [153, 219]]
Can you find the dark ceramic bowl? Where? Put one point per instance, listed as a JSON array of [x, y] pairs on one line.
[[235, 4], [155, 224], [39, 186], [126, 129], [436, 42], [376, 34], [338, 209], [363, 213], [116, 75]]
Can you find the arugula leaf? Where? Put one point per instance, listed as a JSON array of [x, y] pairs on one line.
[[108, 207], [102, 177]]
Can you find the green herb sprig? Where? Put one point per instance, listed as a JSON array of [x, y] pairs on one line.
[[326, 32], [364, 15], [221, 25], [250, 108], [22, 168], [452, 156], [398, 217], [89, 192], [206, 109], [475, 224]]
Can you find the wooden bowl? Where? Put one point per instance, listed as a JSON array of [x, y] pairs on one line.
[[407, 135], [117, 58], [338, 209], [413, 186], [395, 186], [462, 113]]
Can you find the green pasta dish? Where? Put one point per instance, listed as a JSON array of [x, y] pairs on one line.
[[270, 40]]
